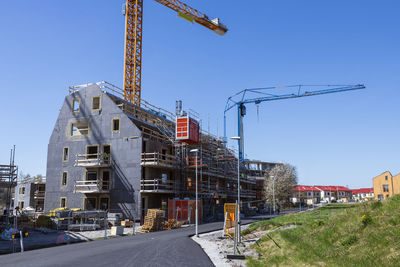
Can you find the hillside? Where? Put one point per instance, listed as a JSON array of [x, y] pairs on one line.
[[366, 234]]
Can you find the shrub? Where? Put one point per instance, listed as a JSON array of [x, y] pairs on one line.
[[366, 219]]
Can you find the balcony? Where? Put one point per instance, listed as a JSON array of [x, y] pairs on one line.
[[156, 159], [38, 194], [93, 160], [156, 185], [92, 186]]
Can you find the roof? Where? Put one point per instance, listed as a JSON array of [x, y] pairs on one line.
[[363, 190], [305, 188], [332, 188]]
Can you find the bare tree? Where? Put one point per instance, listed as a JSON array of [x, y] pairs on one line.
[[285, 176]]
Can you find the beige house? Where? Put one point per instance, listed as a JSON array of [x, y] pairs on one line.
[[386, 185]]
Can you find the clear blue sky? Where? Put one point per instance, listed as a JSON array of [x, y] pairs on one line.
[[344, 139]]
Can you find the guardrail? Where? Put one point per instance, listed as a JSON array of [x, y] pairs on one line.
[[39, 194], [158, 159], [91, 186], [157, 185], [93, 160]]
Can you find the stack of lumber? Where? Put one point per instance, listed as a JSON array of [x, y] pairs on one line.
[[153, 221], [172, 223]]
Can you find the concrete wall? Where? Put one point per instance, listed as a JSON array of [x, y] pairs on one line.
[[27, 198], [125, 153]]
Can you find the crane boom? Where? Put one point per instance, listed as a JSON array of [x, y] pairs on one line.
[[196, 15], [133, 40], [246, 96]]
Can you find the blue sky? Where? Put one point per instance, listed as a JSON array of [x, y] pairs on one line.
[[344, 139]]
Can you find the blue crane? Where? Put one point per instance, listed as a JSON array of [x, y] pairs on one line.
[[259, 95]]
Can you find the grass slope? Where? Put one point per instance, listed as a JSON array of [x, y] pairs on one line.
[[366, 234]]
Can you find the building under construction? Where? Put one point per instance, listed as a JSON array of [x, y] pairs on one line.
[[106, 153], [8, 182]]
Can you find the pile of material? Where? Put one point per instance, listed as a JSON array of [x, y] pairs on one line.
[[172, 224], [153, 221]]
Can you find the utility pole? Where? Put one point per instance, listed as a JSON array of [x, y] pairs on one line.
[[273, 192], [197, 208]]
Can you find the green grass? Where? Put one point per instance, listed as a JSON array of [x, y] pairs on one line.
[[366, 234]]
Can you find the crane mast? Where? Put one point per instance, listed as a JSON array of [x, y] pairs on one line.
[[133, 40], [133, 51]]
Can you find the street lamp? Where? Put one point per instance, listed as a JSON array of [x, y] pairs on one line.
[[273, 191], [197, 211], [237, 220]]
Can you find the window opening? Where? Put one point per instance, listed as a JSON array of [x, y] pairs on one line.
[[63, 202], [106, 180], [91, 176], [65, 154], [79, 128], [96, 103], [106, 151], [92, 152], [64, 178], [75, 105], [115, 125], [90, 203], [104, 203]]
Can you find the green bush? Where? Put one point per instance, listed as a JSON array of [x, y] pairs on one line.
[[366, 219]]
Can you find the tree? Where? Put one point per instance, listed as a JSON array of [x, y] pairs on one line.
[[285, 176]]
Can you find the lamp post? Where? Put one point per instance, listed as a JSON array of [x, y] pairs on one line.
[[237, 220], [273, 191], [197, 208]]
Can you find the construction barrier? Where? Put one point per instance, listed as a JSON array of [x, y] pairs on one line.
[[229, 218], [184, 210]]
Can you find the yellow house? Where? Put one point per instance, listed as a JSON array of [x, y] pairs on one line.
[[386, 185]]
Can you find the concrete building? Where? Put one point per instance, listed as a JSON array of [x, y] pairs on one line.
[[30, 193], [257, 169], [386, 185], [105, 153], [362, 194]]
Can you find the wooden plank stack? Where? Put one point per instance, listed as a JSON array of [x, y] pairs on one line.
[[153, 221]]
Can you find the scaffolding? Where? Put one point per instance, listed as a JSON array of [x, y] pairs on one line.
[[8, 181], [217, 164]]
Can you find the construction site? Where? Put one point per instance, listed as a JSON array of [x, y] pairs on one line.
[[115, 160]]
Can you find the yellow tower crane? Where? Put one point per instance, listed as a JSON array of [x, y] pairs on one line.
[[133, 40]]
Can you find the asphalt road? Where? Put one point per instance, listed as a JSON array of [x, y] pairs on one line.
[[165, 248]]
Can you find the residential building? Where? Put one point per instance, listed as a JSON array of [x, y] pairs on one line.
[[363, 194], [30, 193], [386, 185], [106, 153], [334, 193], [306, 194], [257, 169]]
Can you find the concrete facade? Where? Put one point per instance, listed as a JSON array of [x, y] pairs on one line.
[[139, 166], [125, 169], [30, 193]]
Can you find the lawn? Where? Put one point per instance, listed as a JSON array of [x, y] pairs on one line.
[[366, 234]]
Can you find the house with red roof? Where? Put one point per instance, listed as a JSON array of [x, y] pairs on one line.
[[306, 194], [334, 193], [363, 194]]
